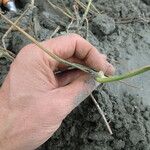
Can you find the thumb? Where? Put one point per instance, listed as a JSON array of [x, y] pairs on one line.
[[70, 96]]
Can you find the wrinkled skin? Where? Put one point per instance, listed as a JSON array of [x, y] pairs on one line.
[[34, 100]]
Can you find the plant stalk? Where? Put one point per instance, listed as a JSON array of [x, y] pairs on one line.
[[123, 76]]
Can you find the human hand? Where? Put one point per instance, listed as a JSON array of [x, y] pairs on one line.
[[34, 101]]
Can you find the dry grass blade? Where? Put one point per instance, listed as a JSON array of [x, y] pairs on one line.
[[78, 18], [87, 28], [67, 9], [6, 53], [55, 31], [69, 26], [95, 8], [142, 19], [9, 52], [128, 84], [61, 10], [82, 5]]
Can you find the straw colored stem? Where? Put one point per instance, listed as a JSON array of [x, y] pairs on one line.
[[87, 10], [61, 10], [102, 114]]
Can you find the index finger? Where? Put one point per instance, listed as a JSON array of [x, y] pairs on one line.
[[73, 45]]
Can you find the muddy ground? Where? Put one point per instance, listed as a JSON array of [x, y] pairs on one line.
[[122, 31]]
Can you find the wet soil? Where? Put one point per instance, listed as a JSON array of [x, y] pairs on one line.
[[122, 31]]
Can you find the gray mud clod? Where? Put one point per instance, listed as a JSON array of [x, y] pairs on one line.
[[103, 24], [126, 42]]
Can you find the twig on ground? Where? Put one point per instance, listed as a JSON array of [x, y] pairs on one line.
[[67, 9], [36, 26], [9, 52], [55, 31], [95, 8], [78, 18], [82, 5], [86, 11], [87, 27], [130, 20], [69, 26], [61, 10], [6, 53], [128, 84], [102, 114]]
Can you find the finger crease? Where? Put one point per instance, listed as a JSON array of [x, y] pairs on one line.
[[87, 55]]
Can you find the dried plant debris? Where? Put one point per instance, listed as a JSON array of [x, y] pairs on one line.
[[119, 29]]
